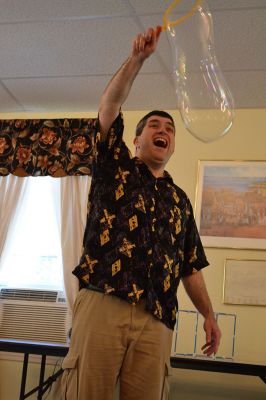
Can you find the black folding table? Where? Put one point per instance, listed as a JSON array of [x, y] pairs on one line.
[[60, 350]]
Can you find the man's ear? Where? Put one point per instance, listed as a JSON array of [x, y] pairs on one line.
[[135, 141]]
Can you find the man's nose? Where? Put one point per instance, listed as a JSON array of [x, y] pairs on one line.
[[163, 130]]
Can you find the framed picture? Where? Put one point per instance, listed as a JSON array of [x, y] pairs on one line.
[[230, 206], [245, 282]]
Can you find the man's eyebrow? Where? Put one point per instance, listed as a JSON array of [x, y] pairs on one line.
[[158, 121]]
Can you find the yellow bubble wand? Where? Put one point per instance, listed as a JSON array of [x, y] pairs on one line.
[[168, 23]]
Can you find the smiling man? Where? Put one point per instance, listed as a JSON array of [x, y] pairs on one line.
[[155, 140], [140, 241]]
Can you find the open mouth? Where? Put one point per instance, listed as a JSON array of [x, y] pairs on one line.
[[160, 142]]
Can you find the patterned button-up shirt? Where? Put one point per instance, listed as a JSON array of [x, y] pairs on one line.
[[140, 237]]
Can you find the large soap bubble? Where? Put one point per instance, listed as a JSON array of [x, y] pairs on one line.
[[203, 97]]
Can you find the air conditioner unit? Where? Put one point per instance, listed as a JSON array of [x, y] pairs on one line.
[[36, 315]]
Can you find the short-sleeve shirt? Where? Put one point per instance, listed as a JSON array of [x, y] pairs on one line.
[[140, 237]]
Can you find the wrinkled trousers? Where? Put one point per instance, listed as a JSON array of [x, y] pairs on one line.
[[112, 340]]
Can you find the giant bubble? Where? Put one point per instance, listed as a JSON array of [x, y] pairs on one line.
[[204, 99]]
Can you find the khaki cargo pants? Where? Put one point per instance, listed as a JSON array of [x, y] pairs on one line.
[[112, 340]]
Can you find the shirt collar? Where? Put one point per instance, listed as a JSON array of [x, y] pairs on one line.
[[145, 169]]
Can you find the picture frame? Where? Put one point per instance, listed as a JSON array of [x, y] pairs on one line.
[[244, 282], [230, 209]]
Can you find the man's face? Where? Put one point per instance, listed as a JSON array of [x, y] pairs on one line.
[[156, 143]]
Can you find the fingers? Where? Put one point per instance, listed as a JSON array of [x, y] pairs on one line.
[[210, 348], [212, 343], [147, 41], [152, 35], [141, 42]]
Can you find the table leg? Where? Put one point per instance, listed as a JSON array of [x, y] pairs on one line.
[[41, 380], [24, 377]]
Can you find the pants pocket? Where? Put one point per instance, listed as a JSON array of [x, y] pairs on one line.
[[166, 386], [78, 300], [70, 378]]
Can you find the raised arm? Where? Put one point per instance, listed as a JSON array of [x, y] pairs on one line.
[[119, 87], [196, 289]]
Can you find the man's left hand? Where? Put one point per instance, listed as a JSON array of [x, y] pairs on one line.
[[213, 336]]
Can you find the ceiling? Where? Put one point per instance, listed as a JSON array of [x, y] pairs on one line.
[[58, 55]]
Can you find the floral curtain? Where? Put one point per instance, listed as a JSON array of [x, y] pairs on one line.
[[59, 148], [56, 147]]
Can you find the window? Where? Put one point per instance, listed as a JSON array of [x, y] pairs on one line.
[[32, 255]]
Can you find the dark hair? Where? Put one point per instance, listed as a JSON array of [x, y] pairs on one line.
[[143, 120]]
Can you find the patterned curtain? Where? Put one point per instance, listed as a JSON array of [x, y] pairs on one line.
[[59, 148], [39, 147]]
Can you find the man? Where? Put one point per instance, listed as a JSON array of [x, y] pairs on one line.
[[140, 240]]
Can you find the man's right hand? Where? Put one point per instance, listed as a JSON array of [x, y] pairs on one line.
[[119, 87], [145, 43]]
